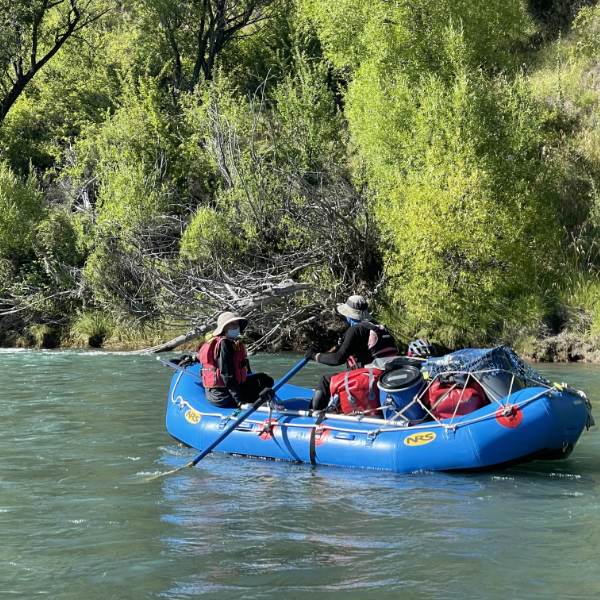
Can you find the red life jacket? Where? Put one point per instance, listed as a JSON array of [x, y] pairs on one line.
[[357, 390], [445, 400], [209, 357]]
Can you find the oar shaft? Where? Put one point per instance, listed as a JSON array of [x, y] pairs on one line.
[[245, 415], [228, 430], [178, 368], [289, 375]]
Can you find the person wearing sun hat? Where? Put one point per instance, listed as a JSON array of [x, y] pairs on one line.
[[363, 341], [355, 308], [226, 375]]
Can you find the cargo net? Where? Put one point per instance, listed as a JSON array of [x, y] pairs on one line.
[[456, 370], [490, 360]]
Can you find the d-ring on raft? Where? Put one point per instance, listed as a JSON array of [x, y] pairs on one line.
[[527, 418]]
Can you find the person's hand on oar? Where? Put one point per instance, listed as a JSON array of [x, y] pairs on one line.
[[265, 396]]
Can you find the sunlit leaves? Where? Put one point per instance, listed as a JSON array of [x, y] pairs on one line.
[[22, 207]]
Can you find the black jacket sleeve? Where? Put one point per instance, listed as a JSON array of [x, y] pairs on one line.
[[353, 344], [227, 368]]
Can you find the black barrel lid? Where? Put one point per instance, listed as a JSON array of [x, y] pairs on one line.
[[400, 378]]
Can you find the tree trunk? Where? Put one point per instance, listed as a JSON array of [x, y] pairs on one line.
[[181, 339], [247, 305]]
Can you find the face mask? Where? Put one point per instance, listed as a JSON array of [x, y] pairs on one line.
[[352, 321], [234, 334]]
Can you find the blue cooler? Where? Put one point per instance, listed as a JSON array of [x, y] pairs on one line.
[[398, 388]]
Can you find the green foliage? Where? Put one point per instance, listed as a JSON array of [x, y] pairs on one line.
[[76, 88], [444, 139], [132, 333], [312, 135], [462, 197], [92, 328], [566, 80], [195, 34], [32, 32], [129, 196], [207, 236], [587, 26], [44, 336], [97, 329], [272, 152], [408, 37], [108, 279], [57, 238], [22, 207], [268, 52], [131, 154]]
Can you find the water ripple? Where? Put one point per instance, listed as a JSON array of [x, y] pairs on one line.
[[82, 515]]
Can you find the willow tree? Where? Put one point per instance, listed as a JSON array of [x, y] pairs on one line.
[[454, 155]]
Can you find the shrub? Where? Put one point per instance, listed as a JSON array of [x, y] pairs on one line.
[[22, 207], [92, 328], [208, 236], [460, 189]]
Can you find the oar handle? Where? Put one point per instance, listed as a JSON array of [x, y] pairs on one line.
[[245, 415]]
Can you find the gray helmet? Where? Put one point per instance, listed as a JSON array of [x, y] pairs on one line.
[[421, 348]]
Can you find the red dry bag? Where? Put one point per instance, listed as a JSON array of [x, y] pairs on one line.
[[445, 400], [357, 391]]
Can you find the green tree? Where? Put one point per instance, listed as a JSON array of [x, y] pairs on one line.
[[284, 185], [22, 208], [469, 215], [408, 36], [454, 159], [77, 88], [197, 31], [31, 33]]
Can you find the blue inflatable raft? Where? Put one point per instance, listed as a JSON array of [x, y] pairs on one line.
[[527, 418]]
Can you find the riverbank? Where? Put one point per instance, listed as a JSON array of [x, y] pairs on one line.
[[564, 347], [98, 330], [560, 348]]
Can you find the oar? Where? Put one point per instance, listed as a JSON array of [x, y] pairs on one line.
[[178, 368], [262, 399]]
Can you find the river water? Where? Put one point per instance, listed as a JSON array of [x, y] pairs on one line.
[[79, 518]]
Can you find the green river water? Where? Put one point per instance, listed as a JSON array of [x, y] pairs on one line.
[[82, 431]]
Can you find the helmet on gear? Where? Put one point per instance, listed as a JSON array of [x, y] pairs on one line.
[[421, 349]]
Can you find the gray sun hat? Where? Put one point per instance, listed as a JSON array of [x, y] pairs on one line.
[[355, 308], [226, 318]]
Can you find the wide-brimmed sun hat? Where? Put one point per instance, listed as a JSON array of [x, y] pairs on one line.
[[226, 318], [355, 308]]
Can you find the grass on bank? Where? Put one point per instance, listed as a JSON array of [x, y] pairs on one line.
[[96, 329]]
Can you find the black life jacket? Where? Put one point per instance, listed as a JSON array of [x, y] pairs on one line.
[[380, 344]]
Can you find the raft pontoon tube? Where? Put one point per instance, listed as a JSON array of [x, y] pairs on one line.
[[528, 418]]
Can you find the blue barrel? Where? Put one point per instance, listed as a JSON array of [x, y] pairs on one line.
[[398, 388]]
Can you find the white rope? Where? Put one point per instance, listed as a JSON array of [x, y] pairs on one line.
[[383, 429], [175, 386], [387, 426]]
